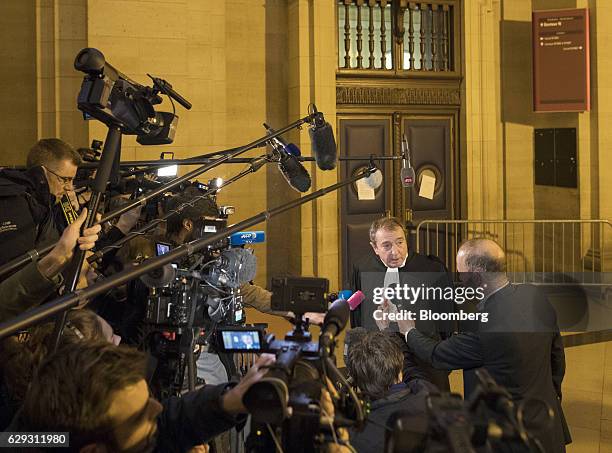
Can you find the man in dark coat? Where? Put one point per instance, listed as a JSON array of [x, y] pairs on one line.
[[392, 263], [375, 363], [519, 343], [29, 217]]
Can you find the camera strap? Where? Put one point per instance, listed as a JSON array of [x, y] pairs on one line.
[[68, 210]]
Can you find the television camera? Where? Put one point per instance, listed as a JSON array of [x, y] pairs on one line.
[[114, 99], [188, 299], [488, 421], [285, 405]]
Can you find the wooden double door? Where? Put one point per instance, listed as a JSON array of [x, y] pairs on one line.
[[431, 141]]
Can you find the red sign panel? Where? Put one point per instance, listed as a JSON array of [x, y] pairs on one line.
[[561, 61]]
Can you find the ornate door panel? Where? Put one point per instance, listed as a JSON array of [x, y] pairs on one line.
[[432, 155], [362, 137]]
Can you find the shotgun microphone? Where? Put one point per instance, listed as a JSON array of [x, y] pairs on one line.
[[322, 141]]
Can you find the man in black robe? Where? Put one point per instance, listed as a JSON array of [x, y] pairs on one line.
[[391, 263]]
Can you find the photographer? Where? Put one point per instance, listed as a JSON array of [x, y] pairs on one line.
[[39, 280], [97, 392], [29, 214], [375, 363]]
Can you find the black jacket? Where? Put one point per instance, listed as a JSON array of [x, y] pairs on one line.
[[28, 218], [520, 346], [193, 419], [406, 397], [418, 270]]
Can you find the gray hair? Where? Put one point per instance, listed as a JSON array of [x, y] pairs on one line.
[[385, 223]]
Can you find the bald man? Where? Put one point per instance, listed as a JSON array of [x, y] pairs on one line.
[[519, 344]]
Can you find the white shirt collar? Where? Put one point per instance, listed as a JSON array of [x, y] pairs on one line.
[[396, 269]]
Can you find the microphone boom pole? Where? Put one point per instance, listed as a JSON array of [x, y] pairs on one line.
[[74, 298], [36, 253], [232, 160], [153, 223]]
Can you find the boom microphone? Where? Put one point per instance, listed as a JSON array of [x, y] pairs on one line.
[[291, 168], [323, 142], [294, 172], [290, 148], [355, 300], [234, 268], [335, 320]]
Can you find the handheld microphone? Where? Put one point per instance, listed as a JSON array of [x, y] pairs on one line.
[[335, 320], [355, 300], [344, 294], [407, 174], [289, 148], [323, 142]]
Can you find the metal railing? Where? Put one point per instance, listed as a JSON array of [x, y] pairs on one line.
[[535, 249]]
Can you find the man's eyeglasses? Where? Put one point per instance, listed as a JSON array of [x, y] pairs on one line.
[[63, 179]]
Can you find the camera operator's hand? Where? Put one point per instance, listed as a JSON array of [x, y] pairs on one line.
[[312, 317], [60, 255], [88, 275], [203, 448], [231, 402], [315, 318]]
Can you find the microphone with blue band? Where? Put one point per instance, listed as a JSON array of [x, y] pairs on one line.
[[290, 167], [290, 148]]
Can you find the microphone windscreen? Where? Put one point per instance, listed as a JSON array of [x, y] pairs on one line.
[[374, 181], [323, 146], [355, 300], [294, 173], [238, 265], [293, 150], [160, 277], [337, 314]]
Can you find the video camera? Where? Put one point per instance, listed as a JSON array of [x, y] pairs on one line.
[[206, 290], [487, 422], [286, 403], [114, 99]]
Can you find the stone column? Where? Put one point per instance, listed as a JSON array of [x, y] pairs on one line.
[[312, 63]]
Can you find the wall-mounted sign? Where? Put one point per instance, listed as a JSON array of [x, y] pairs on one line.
[[561, 79]]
